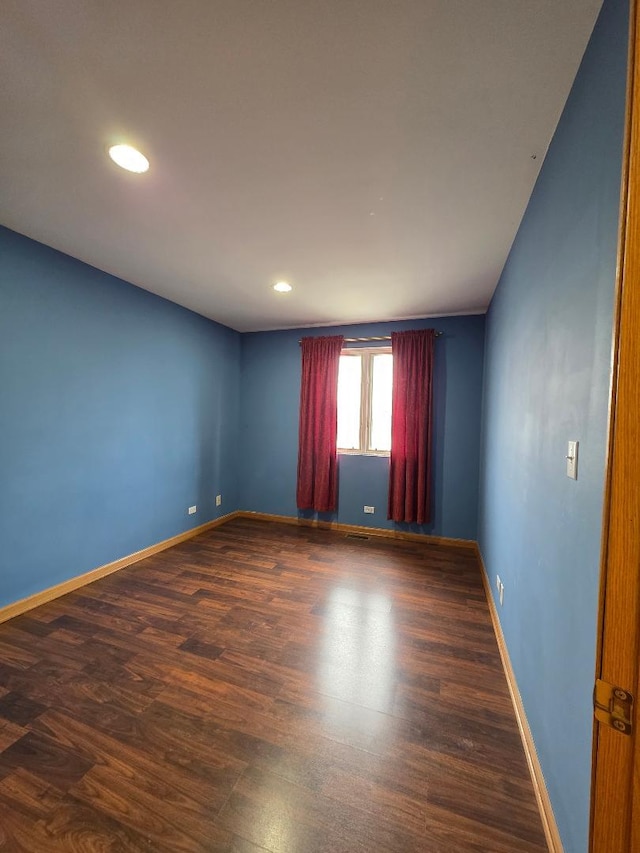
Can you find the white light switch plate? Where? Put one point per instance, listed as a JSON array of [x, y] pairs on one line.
[[572, 460]]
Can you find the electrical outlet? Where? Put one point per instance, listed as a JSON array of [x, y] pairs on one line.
[[193, 510], [369, 509], [218, 500]]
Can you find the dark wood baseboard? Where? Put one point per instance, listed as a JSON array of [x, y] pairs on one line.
[[539, 785]]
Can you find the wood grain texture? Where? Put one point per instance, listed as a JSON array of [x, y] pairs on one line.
[[9, 611], [615, 803], [38, 598], [265, 687], [387, 533], [552, 834]]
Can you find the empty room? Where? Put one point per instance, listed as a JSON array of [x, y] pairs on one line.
[[319, 364]]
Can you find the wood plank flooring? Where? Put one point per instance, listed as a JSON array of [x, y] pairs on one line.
[[265, 687]]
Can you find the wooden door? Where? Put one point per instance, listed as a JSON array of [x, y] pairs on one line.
[[615, 810]]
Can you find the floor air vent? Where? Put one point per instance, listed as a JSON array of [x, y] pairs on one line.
[[356, 536]]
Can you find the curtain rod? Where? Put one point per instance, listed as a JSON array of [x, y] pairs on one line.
[[373, 338]]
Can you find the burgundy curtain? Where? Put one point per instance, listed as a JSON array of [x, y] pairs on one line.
[[317, 455], [411, 426]]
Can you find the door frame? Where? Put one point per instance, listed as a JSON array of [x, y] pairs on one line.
[[615, 788]]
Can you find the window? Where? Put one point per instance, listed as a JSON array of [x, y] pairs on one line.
[[365, 378]]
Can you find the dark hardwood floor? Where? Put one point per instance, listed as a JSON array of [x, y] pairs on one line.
[[265, 687]]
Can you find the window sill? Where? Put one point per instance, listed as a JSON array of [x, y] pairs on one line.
[[364, 453]]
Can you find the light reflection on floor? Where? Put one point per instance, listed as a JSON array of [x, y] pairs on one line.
[[357, 654]]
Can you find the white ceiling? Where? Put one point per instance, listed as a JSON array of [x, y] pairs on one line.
[[377, 154]]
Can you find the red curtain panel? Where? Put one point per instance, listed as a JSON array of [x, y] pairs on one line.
[[411, 426], [317, 454]]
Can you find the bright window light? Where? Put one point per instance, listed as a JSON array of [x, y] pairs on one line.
[[365, 380], [129, 158], [381, 383], [349, 382]]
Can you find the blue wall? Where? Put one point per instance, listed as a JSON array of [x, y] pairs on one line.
[[269, 428], [118, 410], [547, 374]]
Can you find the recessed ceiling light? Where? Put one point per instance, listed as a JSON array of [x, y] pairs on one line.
[[129, 158], [282, 287]]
